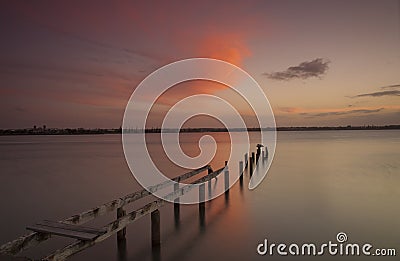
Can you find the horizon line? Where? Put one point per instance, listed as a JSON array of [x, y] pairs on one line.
[[68, 131]]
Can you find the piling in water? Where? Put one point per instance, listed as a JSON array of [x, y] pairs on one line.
[[209, 184], [251, 166], [176, 205], [226, 178], [121, 234], [202, 204], [155, 228], [241, 170]]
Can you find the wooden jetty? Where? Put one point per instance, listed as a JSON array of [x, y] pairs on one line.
[[87, 236]]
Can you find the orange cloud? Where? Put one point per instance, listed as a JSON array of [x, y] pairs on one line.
[[229, 47]]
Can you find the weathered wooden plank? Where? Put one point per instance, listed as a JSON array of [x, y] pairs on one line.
[[78, 228], [209, 176], [113, 205], [16, 246], [62, 232], [111, 228], [124, 221], [23, 242]]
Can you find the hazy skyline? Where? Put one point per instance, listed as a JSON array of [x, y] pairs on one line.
[[320, 63]]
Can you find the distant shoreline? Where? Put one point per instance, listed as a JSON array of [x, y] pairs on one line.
[[82, 131]]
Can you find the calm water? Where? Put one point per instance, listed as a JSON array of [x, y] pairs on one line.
[[319, 184]]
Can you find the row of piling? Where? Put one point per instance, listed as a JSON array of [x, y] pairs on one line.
[[249, 162]]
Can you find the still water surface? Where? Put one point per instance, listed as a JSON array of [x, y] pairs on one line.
[[319, 184]]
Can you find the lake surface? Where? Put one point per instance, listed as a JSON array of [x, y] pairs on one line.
[[319, 184]]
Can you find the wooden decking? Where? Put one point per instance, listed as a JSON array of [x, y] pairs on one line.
[[67, 230]]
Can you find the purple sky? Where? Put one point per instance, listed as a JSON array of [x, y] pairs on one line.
[[76, 63]]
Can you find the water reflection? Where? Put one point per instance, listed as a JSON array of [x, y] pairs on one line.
[[202, 217], [122, 251], [191, 243], [156, 253], [318, 178], [226, 197], [177, 216]]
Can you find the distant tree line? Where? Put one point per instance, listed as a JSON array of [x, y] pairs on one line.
[[81, 131]]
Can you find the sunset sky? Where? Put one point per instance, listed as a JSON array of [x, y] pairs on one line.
[[320, 63]]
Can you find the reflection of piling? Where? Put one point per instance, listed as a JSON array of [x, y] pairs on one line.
[[121, 247], [155, 228]]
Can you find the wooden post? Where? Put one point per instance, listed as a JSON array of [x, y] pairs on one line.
[[202, 204], [176, 201], [251, 166], [263, 154], [176, 206], [202, 193], [241, 170], [253, 156], [209, 184], [246, 158], [121, 234], [241, 174], [266, 152], [155, 228], [226, 177]]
